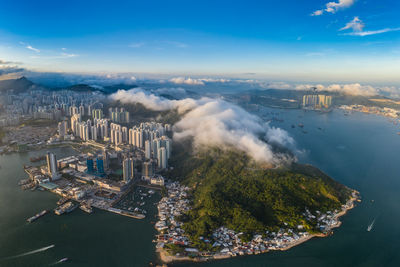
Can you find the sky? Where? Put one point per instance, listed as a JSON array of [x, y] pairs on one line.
[[321, 41]]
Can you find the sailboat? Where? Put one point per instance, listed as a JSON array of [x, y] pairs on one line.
[[371, 226]]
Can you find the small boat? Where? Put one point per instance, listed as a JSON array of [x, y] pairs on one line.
[[371, 226], [63, 260], [301, 125]]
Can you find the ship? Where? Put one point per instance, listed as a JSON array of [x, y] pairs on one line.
[[35, 217], [62, 201], [65, 208], [24, 181], [36, 159], [127, 213], [86, 208]]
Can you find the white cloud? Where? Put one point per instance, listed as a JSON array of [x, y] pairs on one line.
[[8, 68], [317, 13], [347, 89], [366, 33], [309, 86], [353, 89], [333, 7], [214, 122], [152, 101], [356, 25], [32, 48], [276, 85], [189, 81]]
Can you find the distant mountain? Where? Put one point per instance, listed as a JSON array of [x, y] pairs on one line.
[[18, 85], [23, 84], [92, 88], [82, 88]]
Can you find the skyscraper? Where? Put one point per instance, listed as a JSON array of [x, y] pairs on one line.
[[90, 165], [162, 158], [105, 159], [62, 128], [148, 169], [147, 149], [52, 166], [100, 165], [128, 169], [82, 110], [97, 114]]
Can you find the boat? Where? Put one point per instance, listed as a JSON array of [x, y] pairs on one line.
[[36, 159], [63, 260], [86, 208], [65, 208], [369, 228], [35, 217], [28, 186], [62, 201], [24, 181], [301, 125]]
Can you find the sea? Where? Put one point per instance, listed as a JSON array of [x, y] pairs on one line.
[[359, 150]]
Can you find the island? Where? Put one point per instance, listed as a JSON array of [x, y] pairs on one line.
[[222, 203]]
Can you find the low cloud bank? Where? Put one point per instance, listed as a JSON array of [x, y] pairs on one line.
[[9, 68], [215, 122], [198, 81], [354, 89]]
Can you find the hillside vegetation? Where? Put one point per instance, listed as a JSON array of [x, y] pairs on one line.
[[229, 189]]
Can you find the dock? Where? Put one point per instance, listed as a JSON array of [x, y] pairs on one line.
[[37, 216], [127, 213]]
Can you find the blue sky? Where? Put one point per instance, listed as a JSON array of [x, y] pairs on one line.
[[285, 40]]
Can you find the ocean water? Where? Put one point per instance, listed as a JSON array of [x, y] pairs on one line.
[[361, 151], [97, 239]]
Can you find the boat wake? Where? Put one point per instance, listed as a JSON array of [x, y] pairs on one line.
[[369, 228], [58, 262], [29, 253]]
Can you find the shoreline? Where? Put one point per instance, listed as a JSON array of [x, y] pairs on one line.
[[163, 256]]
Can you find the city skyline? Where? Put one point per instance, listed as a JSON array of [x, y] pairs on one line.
[[344, 41]]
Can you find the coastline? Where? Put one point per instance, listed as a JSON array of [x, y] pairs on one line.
[[165, 258]]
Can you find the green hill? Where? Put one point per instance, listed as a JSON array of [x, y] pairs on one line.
[[19, 85], [231, 190]]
